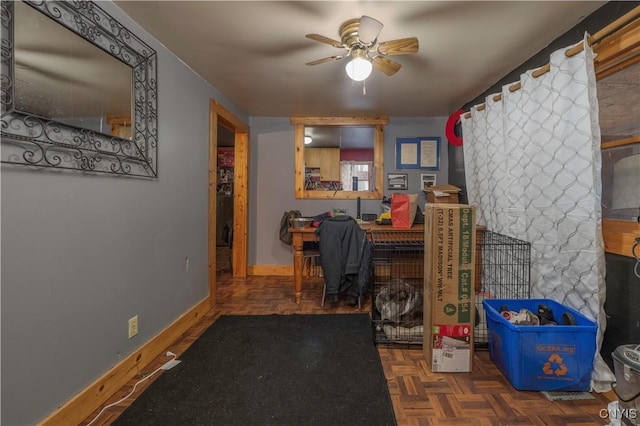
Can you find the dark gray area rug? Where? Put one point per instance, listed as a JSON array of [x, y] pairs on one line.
[[272, 370]]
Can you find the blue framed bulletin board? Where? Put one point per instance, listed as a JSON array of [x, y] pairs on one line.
[[418, 153]]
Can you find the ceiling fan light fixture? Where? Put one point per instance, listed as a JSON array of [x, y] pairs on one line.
[[359, 37], [359, 68]]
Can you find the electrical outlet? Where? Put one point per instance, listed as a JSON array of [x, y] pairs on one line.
[[133, 326]]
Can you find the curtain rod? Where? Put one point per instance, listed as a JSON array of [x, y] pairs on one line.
[[614, 26]]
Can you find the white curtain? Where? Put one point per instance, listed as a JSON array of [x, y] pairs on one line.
[[346, 175], [532, 164], [359, 169]]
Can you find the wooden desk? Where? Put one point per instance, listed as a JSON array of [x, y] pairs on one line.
[[302, 235]]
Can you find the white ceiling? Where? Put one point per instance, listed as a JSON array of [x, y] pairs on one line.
[[254, 52]]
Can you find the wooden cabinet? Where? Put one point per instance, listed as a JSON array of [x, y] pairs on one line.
[[312, 158], [326, 159], [330, 164]]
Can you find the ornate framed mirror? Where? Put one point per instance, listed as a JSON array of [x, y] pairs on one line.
[[79, 90], [343, 159]]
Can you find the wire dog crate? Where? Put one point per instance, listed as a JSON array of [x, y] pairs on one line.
[[398, 283], [503, 267], [502, 272]]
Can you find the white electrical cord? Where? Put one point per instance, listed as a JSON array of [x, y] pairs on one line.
[[132, 390], [636, 268]]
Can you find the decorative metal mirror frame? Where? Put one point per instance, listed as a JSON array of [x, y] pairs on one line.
[[33, 140]]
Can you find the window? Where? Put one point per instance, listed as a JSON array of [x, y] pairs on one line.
[[332, 140], [356, 175], [621, 182]]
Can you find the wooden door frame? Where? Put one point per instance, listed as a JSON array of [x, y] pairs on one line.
[[220, 115]]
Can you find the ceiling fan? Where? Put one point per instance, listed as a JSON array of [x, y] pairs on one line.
[[360, 39]]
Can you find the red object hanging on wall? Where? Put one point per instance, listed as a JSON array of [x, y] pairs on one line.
[[453, 129]]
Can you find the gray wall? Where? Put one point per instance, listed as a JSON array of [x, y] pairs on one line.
[[81, 254], [272, 175]]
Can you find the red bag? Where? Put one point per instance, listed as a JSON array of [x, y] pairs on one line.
[[403, 210]]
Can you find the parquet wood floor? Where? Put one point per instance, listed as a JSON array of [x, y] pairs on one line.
[[419, 397]]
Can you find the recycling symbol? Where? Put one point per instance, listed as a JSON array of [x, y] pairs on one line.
[[554, 366]]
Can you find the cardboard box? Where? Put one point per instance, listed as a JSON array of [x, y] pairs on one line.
[[443, 194], [449, 275]]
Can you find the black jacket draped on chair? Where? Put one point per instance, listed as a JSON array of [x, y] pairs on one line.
[[345, 256]]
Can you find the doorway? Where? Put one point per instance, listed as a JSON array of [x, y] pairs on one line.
[[224, 125], [224, 199]]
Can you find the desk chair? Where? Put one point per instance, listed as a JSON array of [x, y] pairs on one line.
[[342, 246], [311, 263], [324, 286], [324, 295]]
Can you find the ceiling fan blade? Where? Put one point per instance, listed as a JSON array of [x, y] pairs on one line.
[[369, 29], [58, 51], [402, 46], [323, 39], [48, 74], [322, 61], [385, 65]]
